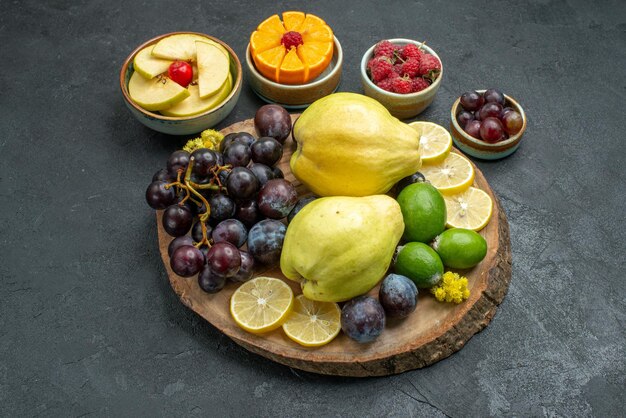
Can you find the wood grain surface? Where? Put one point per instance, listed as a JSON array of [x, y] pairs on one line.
[[433, 332]]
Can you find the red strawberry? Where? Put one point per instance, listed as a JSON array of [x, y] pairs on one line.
[[402, 85], [384, 49], [411, 67], [430, 67], [411, 51], [379, 68], [419, 84]]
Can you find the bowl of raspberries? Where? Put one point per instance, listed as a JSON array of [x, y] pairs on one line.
[[402, 74]]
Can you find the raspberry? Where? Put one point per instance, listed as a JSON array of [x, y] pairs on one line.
[[386, 84], [411, 51], [291, 39], [402, 85], [384, 49], [379, 68], [419, 84], [430, 66], [411, 67]]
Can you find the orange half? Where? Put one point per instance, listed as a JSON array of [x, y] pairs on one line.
[[298, 65]]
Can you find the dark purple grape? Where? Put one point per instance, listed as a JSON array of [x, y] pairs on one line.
[[223, 176], [247, 212], [222, 207], [204, 160], [506, 110], [278, 173], [398, 295], [490, 110], [473, 128], [363, 319], [512, 122], [491, 130], [230, 230], [247, 268], [494, 96], [209, 281], [224, 259], [227, 140], [472, 100], [241, 183], [476, 115], [416, 177], [237, 154], [177, 243], [220, 158], [243, 137], [302, 202], [262, 172], [186, 261], [159, 196], [266, 150], [196, 231], [463, 117], [177, 220], [274, 121], [163, 175], [178, 160], [277, 198], [265, 241]]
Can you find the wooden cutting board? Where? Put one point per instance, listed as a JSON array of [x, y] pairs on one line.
[[433, 332]]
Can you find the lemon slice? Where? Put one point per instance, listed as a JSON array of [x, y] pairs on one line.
[[435, 142], [261, 305], [313, 323], [453, 175], [470, 210]]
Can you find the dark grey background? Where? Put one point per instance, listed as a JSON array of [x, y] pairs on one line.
[[89, 324]]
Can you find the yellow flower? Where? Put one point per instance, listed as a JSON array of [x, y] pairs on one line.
[[451, 288], [209, 138]]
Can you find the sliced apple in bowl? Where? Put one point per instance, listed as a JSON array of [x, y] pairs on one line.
[[148, 65], [213, 68], [194, 105], [157, 93]]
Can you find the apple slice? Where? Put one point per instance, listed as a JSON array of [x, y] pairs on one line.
[[193, 104], [149, 66], [213, 69], [155, 94], [181, 47]]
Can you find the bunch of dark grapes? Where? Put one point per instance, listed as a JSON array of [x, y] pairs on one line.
[[216, 201]]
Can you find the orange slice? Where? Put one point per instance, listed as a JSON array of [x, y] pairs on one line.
[[292, 70], [272, 25], [297, 65], [292, 20], [262, 41], [268, 62], [316, 56]]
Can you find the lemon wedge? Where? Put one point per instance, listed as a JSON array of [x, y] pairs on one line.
[[453, 175], [435, 142], [470, 210], [261, 305], [312, 323]]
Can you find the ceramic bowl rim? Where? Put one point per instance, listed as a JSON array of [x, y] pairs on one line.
[[370, 52], [512, 140], [158, 116], [313, 84]]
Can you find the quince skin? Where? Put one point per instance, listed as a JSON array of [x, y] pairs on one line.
[[350, 145], [340, 247]]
